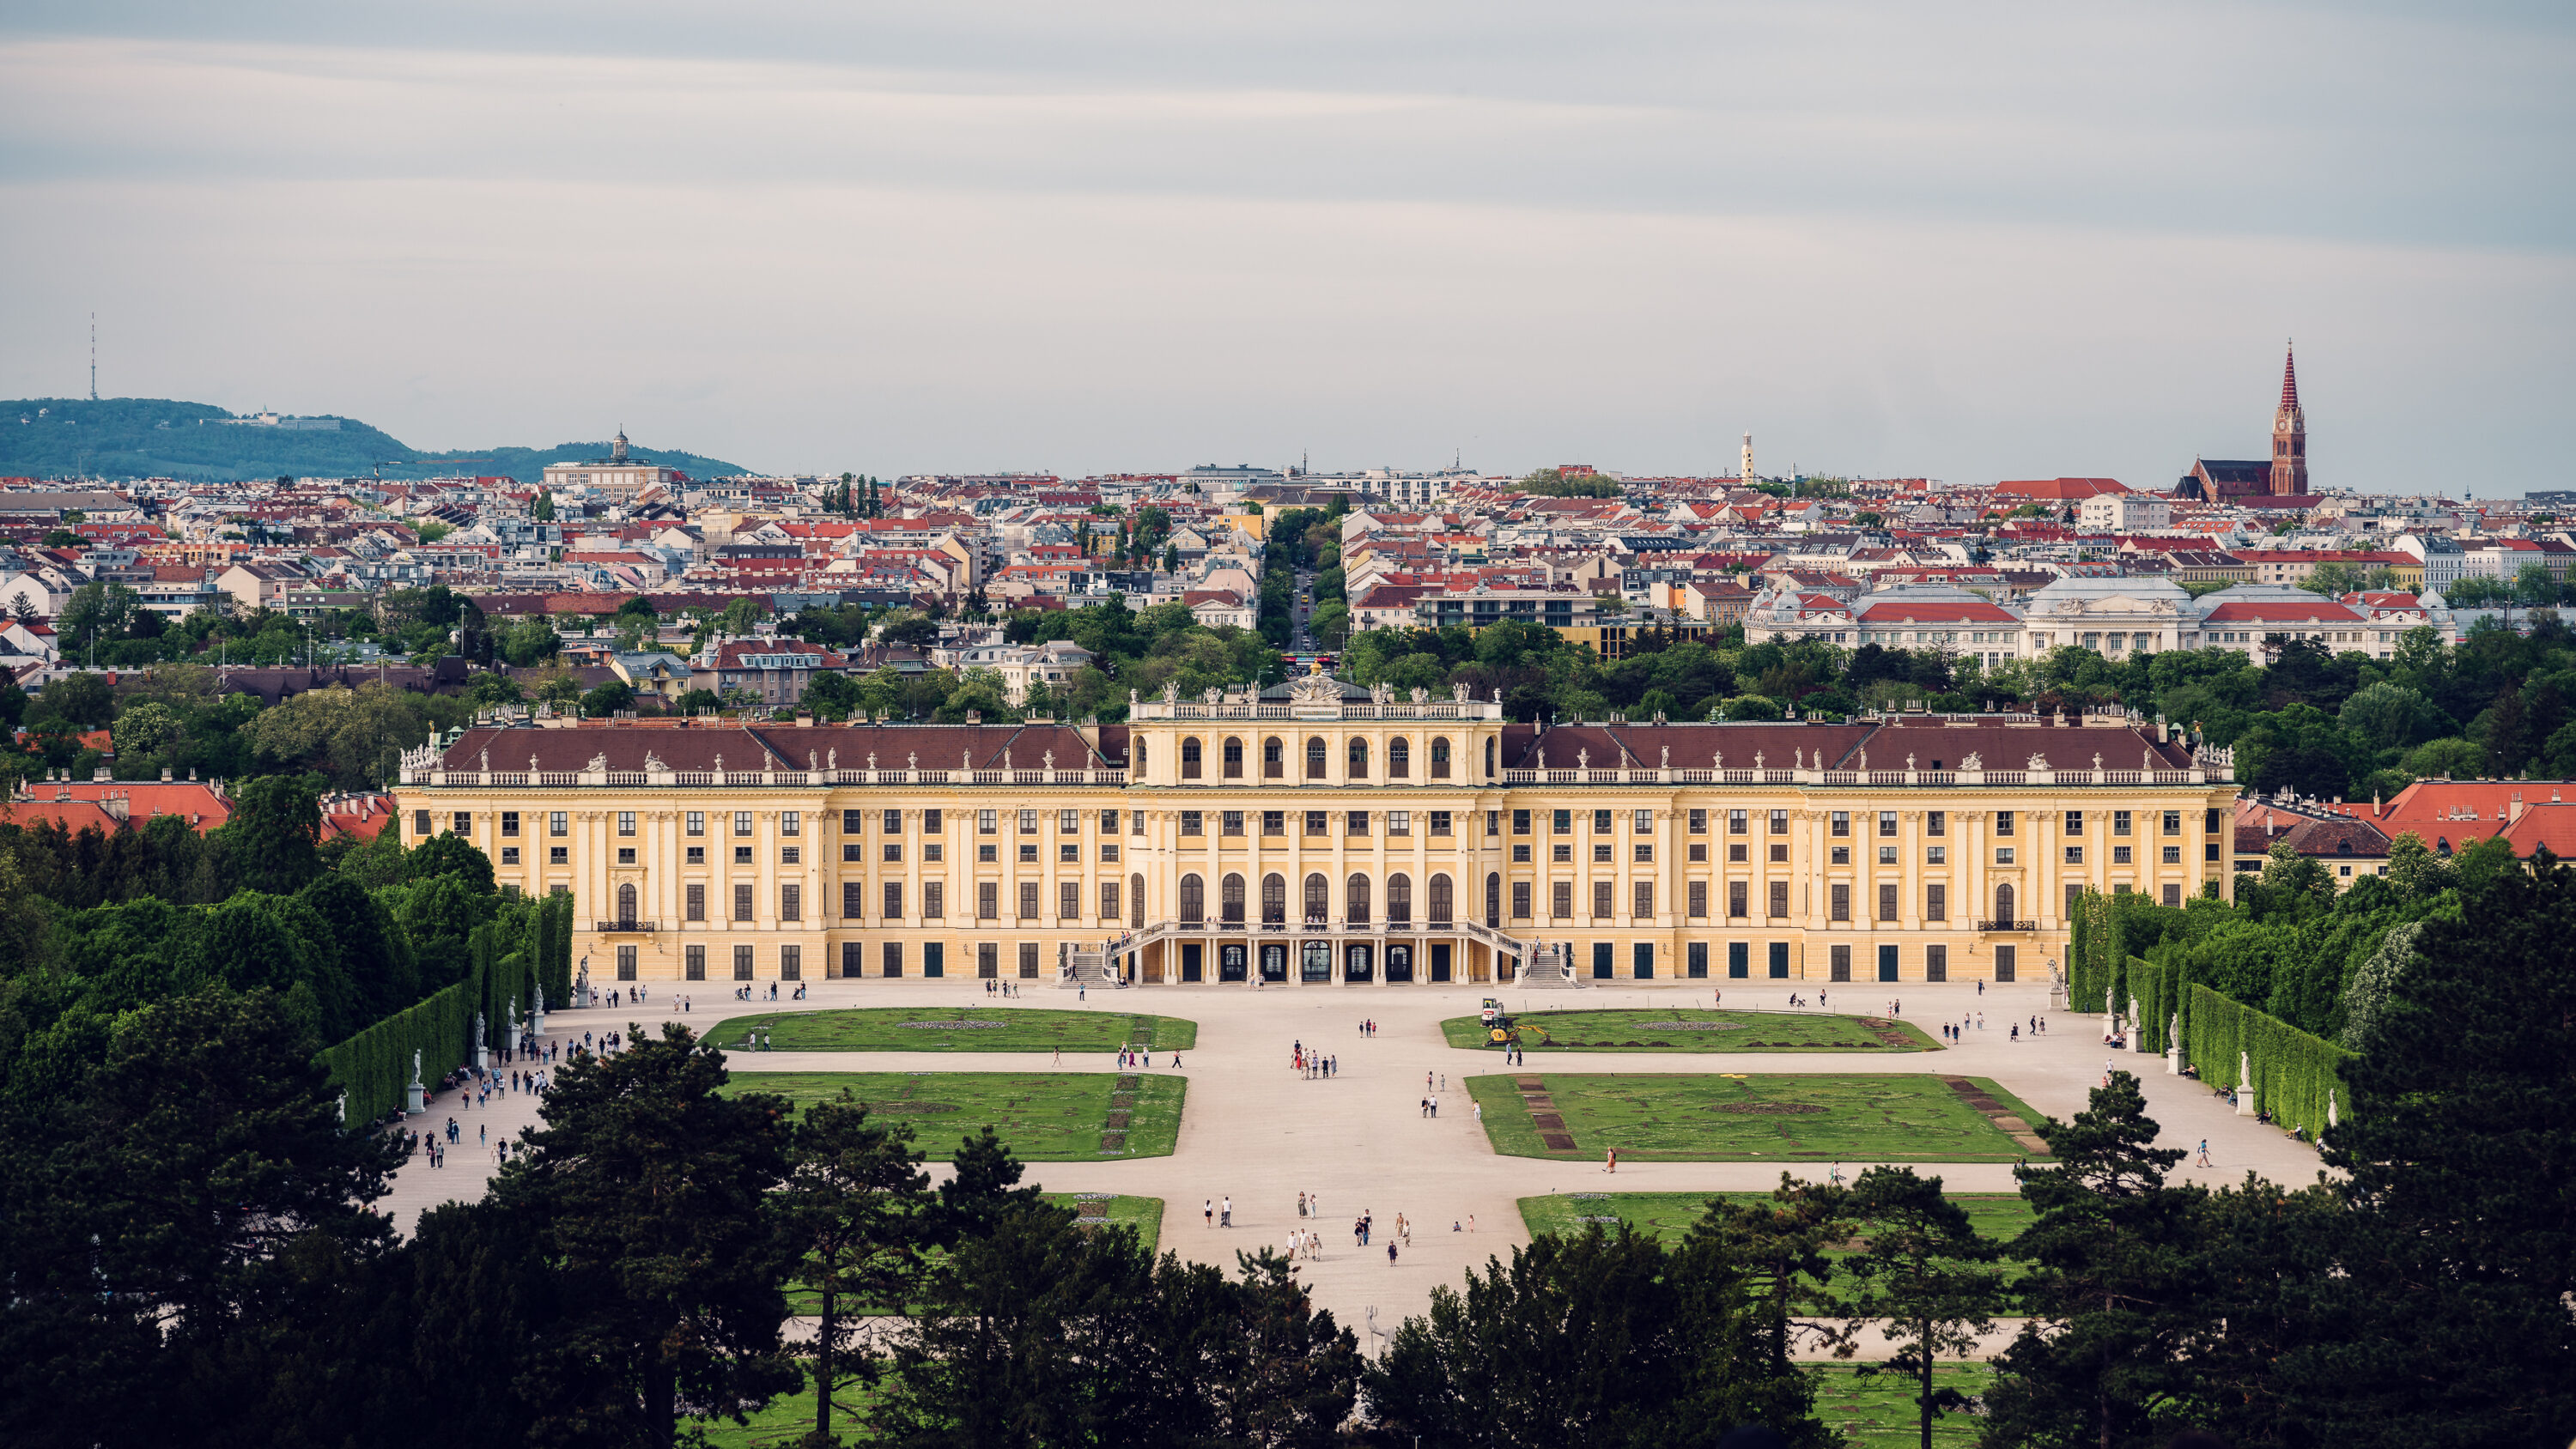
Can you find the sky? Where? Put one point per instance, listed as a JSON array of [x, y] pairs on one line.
[[1966, 241]]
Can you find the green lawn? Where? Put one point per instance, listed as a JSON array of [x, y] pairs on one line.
[[1043, 1116], [1879, 1412], [958, 1029], [1761, 1117], [788, 1418], [1144, 1214], [1666, 1029]]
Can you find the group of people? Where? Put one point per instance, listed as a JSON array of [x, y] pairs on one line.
[[744, 993], [1131, 1057], [997, 987], [1958, 1030], [1311, 1064], [2038, 1026]]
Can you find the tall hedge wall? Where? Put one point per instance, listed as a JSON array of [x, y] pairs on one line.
[[2153, 987], [374, 1066], [2293, 1072]]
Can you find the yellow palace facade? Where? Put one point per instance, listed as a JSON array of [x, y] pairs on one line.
[[1317, 835]]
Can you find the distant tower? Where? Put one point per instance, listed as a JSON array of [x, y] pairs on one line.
[[1747, 466], [2289, 433], [617, 449], [93, 357]]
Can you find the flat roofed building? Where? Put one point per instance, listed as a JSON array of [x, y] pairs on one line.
[[1319, 834]]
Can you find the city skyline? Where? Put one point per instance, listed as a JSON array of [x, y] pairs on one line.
[[1997, 246]]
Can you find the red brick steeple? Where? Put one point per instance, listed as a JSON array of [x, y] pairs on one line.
[[2289, 434]]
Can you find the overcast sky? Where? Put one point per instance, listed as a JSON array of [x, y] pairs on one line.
[[1965, 240]]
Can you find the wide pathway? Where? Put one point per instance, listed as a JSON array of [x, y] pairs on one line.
[[1257, 1131]]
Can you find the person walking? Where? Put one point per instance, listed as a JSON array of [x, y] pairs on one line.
[[1471, 1222], [1390, 1255], [1610, 1160], [1209, 1212], [1480, 1114], [1227, 1221], [1301, 1204], [1435, 1105], [2204, 1155]]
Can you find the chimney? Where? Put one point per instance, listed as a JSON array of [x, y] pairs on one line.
[[165, 774], [2376, 811], [2517, 808], [2271, 826]]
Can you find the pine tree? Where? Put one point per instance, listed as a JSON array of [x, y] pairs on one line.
[[1925, 1273], [852, 1212]]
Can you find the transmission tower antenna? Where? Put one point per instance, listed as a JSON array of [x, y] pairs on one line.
[[93, 357]]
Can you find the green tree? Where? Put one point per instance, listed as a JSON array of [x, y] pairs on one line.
[[853, 1214], [608, 699], [543, 509], [649, 1185], [81, 701], [1925, 1273], [275, 831], [1780, 1246]]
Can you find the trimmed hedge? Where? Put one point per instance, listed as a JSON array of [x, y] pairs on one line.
[[374, 1066], [2154, 988], [2293, 1072]]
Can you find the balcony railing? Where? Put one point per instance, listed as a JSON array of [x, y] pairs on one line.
[[2007, 925], [612, 928]]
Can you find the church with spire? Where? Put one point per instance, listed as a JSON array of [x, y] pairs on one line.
[[2261, 482]]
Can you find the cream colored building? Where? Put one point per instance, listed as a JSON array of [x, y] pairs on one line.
[[620, 477], [1319, 835]]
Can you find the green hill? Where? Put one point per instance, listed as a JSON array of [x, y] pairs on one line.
[[132, 437]]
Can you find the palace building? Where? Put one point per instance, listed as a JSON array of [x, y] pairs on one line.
[[1315, 833]]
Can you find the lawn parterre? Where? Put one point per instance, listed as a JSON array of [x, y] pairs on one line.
[[1656, 1029], [1144, 1215], [957, 1029], [1669, 1216], [1878, 1411], [1755, 1117], [1042, 1117]]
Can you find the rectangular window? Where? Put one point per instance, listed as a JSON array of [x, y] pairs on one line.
[[1028, 960], [1779, 822], [2173, 855], [1068, 900], [934, 900], [1779, 899], [1359, 822], [693, 963], [1739, 960], [1838, 963], [1520, 822], [464, 823], [2003, 822], [1274, 822], [1561, 900], [791, 822], [988, 900], [742, 822], [1029, 854], [1645, 893], [893, 853], [1887, 902], [791, 963], [893, 900], [1561, 822], [742, 963], [697, 822], [1698, 852], [1936, 903], [1315, 822], [1600, 822], [1601, 900], [2004, 963], [1520, 900], [2173, 896], [2119, 822], [2074, 897], [988, 959], [1135, 822], [2209, 822], [1936, 822], [1699, 822], [1494, 822], [1641, 822], [1886, 822], [1645, 855], [510, 855], [1230, 823], [1698, 898], [558, 824], [854, 898], [558, 855], [2003, 855], [2173, 822], [1440, 822], [1068, 822], [1028, 822], [1109, 822], [2075, 822], [988, 822], [2075, 855], [1735, 900], [696, 909], [509, 825], [742, 901], [625, 963], [1735, 822], [791, 855], [1936, 855], [930, 822], [1399, 822], [2120, 855], [1936, 963], [421, 827], [1698, 959], [1071, 854], [854, 822], [1840, 822], [1838, 900], [1191, 823], [1109, 900]]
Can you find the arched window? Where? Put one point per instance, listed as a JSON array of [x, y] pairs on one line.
[[1274, 899], [1229, 900], [1274, 759], [626, 902], [1489, 757], [1355, 901], [1440, 759], [2004, 904], [1190, 759], [1315, 758], [1234, 759], [1440, 900], [1140, 757], [1399, 759], [1136, 901], [1399, 899], [1494, 902], [1319, 898], [1193, 900], [1359, 760]]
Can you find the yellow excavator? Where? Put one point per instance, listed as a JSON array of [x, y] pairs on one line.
[[1502, 1030]]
